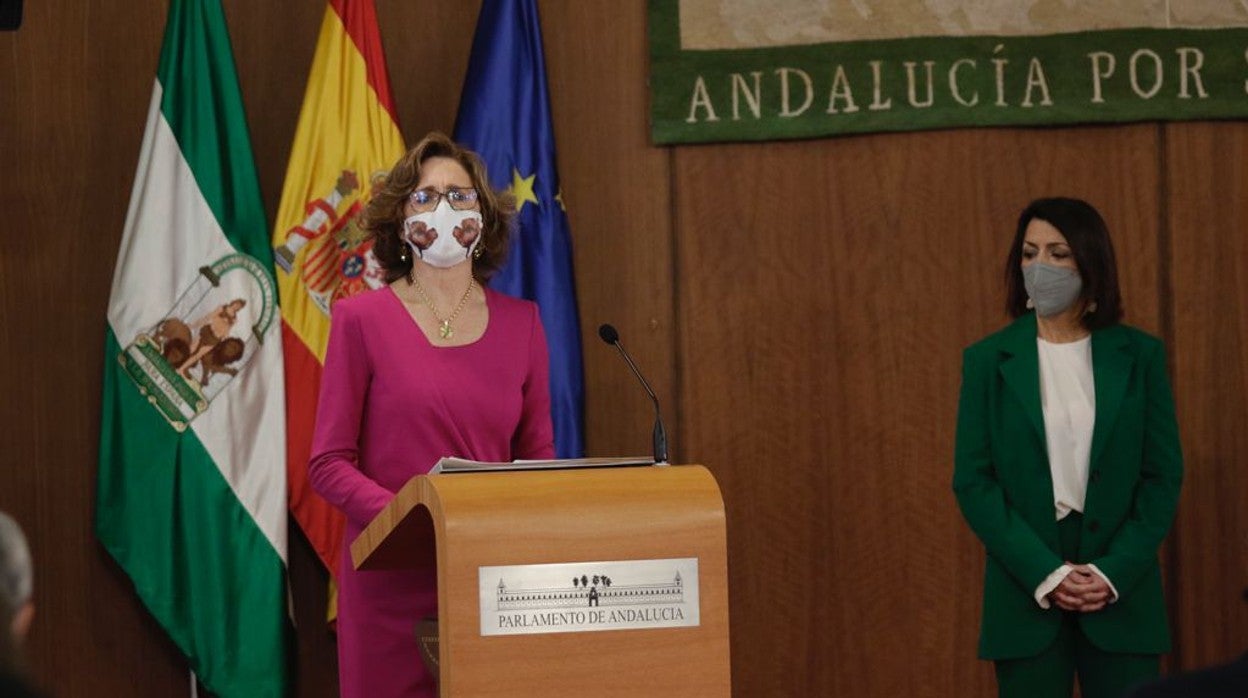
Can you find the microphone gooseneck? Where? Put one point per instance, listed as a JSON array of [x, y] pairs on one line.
[[610, 336]]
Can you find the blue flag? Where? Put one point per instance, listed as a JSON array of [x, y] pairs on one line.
[[504, 115]]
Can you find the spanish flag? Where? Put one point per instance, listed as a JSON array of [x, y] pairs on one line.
[[347, 133]]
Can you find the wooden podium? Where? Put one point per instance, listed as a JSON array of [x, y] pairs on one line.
[[592, 518]]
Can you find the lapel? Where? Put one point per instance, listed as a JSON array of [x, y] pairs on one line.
[[1021, 368], [1111, 370]]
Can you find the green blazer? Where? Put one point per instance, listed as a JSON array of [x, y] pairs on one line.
[[1005, 490]]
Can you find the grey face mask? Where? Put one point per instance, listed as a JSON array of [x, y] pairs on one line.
[[1051, 289]]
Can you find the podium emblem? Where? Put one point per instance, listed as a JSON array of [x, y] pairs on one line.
[[589, 596]]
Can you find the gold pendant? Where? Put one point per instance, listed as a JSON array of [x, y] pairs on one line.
[[445, 330]]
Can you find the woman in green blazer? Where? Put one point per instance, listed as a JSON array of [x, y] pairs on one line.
[[1067, 468]]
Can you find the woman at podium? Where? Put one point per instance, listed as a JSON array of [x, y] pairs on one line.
[[433, 364], [1067, 468]]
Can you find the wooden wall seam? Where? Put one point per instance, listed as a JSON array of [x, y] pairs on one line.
[[1166, 310]]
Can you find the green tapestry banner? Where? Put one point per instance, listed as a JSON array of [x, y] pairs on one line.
[[749, 70]]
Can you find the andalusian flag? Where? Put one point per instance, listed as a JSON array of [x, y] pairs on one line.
[[192, 442], [347, 133]]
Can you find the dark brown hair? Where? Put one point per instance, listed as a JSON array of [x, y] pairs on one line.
[[1088, 236], [383, 217]]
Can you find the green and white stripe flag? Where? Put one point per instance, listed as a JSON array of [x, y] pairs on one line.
[[192, 480]]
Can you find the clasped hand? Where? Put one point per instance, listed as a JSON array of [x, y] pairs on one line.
[[1082, 590]]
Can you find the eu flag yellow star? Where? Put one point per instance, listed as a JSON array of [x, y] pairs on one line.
[[522, 189]]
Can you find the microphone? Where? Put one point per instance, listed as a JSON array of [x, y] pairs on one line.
[[610, 336]]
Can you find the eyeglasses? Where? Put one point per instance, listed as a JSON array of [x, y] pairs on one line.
[[427, 199]]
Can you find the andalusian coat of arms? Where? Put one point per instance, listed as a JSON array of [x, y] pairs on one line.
[[203, 341]]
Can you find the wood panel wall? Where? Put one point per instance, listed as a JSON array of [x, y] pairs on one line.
[[1206, 243], [800, 308], [75, 83]]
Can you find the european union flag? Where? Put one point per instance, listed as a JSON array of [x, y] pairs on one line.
[[504, 115]]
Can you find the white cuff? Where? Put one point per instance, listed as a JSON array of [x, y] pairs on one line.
[[1052, 581], [1112, 590]]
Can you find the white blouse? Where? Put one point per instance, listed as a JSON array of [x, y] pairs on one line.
[[1068, 398]]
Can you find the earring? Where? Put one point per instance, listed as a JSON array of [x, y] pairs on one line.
[[1090, 309], [403, 255], [477, 251], [1031, 303]]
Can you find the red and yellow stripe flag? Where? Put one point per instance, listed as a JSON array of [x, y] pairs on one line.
[[347, 132]]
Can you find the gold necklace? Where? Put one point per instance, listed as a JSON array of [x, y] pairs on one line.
[[444, 326]]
